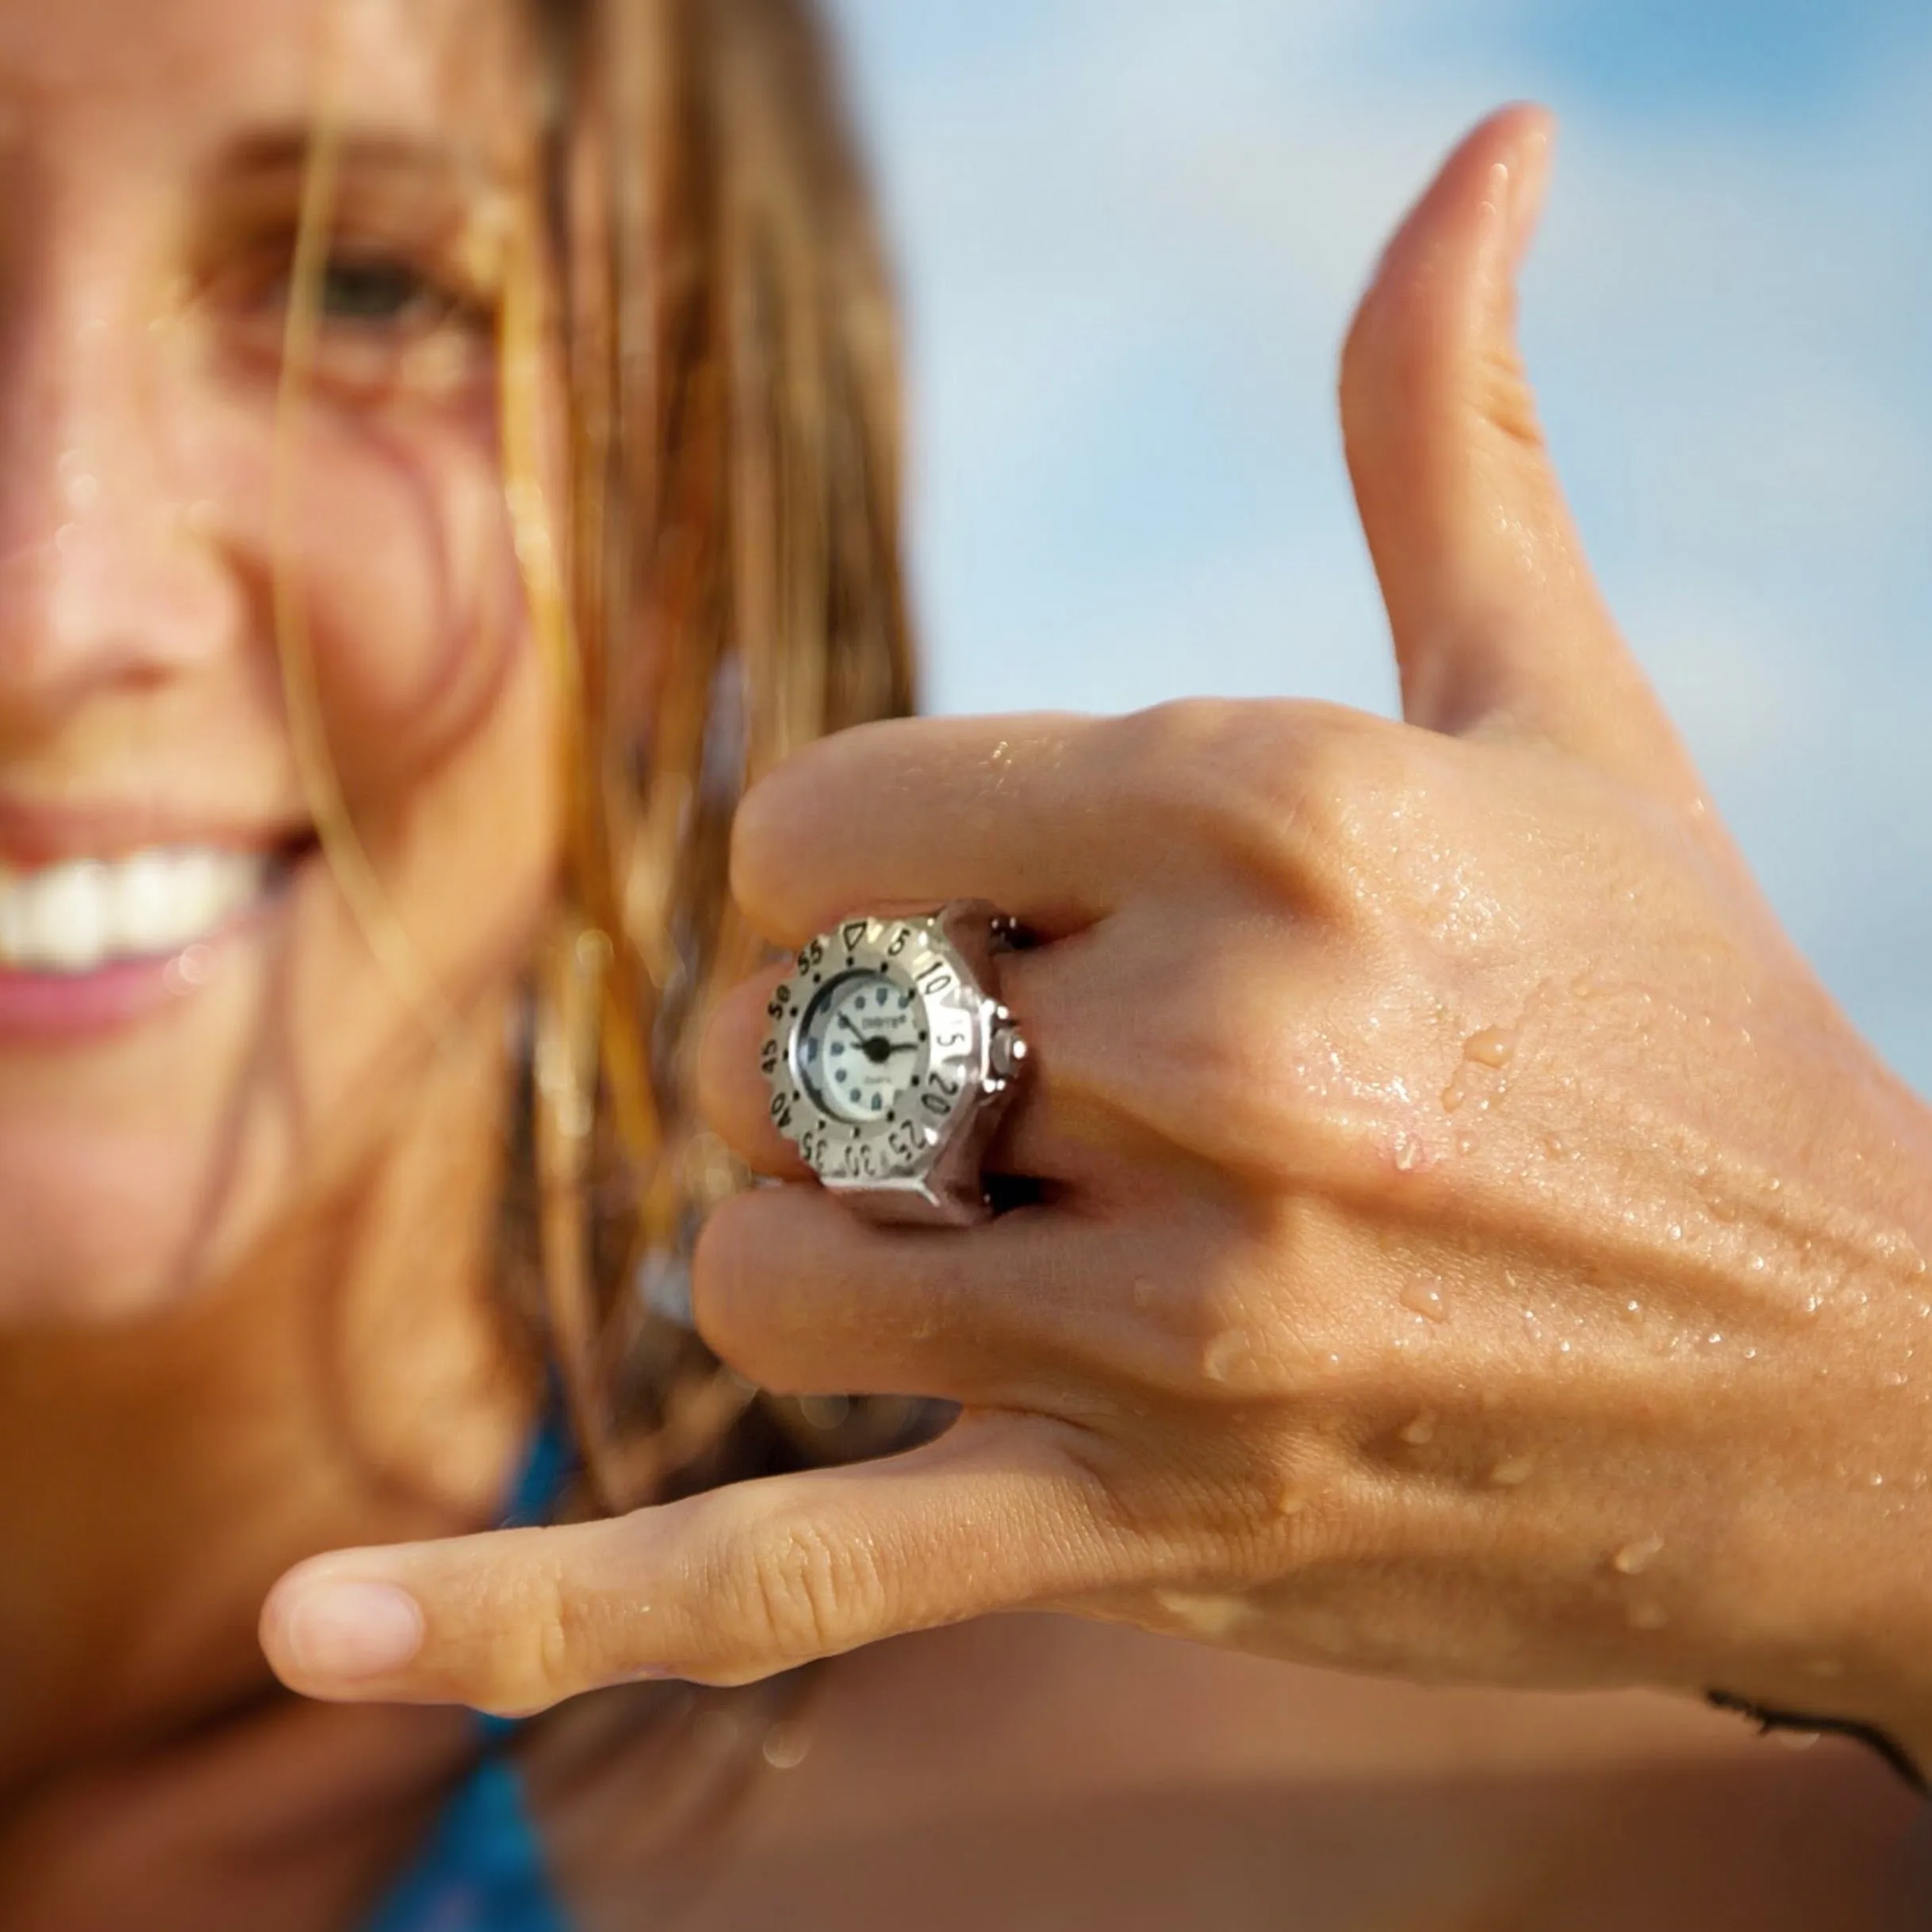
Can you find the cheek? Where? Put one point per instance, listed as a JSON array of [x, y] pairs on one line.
[[438, 719], [134, 1173], [415, 607]]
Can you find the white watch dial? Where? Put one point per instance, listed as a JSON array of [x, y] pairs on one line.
[[861, 1046]]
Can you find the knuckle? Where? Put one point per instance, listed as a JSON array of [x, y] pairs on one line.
[[1231, 1323], [1307, 795], [1344, 803], [790, 813], [806, 1593], [545, 1660]]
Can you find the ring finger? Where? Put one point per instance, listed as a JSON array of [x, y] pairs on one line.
[[1018, 1313]]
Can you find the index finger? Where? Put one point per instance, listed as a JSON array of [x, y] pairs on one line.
[[724, 1588], [905, 815]]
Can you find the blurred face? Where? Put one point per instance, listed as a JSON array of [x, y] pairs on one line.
[[196, 1040]]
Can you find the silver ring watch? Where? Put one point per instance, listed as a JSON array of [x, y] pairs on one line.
[[890, 1060]]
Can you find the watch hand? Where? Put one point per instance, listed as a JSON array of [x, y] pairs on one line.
[[845, 1021]]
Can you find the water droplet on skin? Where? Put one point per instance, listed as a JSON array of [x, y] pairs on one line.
[[1465, 1144], [1425, 1299], [1632, 1312], [1408, 1154], [1494, 1047], [1513, 1472], [1213, 1618], [1676, 1231], [786, 1746], [1647, 1616], [1874, 1481], [1757, 1264], [1796, 1740], [1419, 1431], [1555, 1145], [1453, 1095], [1224, 1353], [1715, 1340], [1635, 1558]]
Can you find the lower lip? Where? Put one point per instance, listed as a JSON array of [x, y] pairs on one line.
[[59, 1008]]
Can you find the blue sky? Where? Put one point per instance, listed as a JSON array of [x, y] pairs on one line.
[[1131, 233]]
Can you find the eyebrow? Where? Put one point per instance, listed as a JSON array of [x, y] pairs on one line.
[[368, 153]]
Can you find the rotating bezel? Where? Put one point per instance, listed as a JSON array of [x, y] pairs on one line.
[[898, 1149]]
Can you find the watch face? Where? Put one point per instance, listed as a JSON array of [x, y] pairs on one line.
[[877, 1046], [860, 1046]]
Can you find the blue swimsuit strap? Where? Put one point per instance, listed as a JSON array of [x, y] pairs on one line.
[[483, 1868]]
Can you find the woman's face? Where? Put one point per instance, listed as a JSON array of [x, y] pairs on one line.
[[196, 1040]]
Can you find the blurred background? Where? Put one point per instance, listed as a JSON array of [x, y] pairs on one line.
[[1131, 233]]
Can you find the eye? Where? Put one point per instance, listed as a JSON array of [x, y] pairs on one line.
[[379, 291], [386, 325], [369, 289]]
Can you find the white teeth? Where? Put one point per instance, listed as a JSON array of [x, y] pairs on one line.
[[78, 917]]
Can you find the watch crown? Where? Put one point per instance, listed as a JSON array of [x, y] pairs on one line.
[[1007, 1051]]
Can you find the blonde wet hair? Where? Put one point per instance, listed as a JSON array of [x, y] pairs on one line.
[[711, 552]]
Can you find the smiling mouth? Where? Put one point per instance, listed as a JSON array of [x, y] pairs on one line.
[[83, 915]]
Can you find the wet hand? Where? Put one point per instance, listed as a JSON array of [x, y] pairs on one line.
[[1472, 1245]]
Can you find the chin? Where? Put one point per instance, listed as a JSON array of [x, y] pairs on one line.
[[104, 1233]]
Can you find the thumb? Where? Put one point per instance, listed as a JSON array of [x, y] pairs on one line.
[[1498, 625]]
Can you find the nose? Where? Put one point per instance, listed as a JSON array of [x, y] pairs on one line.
[[109, 579]]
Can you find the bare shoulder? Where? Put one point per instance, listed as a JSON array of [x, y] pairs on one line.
[[1032, 1772]]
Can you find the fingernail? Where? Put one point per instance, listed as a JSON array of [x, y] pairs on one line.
[[353, 1630]]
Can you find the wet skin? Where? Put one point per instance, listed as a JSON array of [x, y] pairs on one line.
[[243, 1287], [1441, 1269]]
